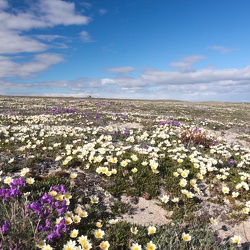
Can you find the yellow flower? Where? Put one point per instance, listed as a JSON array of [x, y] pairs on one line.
[[186, 237], [151, 230]]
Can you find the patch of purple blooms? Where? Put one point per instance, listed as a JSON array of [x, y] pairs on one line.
[[47, 205], [170, 122], [5, 227], [13, 191], [60, 110]]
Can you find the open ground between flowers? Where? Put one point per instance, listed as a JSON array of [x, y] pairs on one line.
[[92, 173]]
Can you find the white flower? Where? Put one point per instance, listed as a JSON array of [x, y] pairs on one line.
[[236, 239]]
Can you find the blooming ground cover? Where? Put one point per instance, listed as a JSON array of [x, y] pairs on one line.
[[65, 163]]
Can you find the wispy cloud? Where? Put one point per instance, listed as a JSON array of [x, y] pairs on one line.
[[85, 37], [222, 49], [187, 62], [203, 84], [41, 62], [102, 11], [14, 25], [121, 70]]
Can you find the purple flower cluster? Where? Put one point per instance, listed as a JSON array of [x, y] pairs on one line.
[[46, 202], [60, 110], [5, 227], [47, 205], [13, 191], [170, 122]]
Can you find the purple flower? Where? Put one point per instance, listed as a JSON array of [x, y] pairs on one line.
[[231, 161], [126, 132], [53, 236], [17, 183], [47, 198], [5, 227]]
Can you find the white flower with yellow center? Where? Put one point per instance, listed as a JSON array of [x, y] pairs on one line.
[[183, 182], [24, 171], [134, 230], [124, 163], [76, 219], [30, 180], [151, 230], [134, 170], [104, 245], [74, 233], [82, 239], [193, 182], [235, 194], [83, 214], [73, 175], [165, 198], [99, 224], [225, 190], [99, 233], [47, 247], [135, 246], [151, 246], [175, 199], [246, 210], [59, 197], [7, 180], [186, 237], [213, 221], [94, 199], [236, 239]]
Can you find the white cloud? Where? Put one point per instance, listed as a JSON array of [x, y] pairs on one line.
[[187, 62], [3, 4], [11, 42], [41, 62], [85, 37], [122, 70], [222, 49], [58, 12]]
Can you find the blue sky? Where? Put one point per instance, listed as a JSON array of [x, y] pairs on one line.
[[191, 50]]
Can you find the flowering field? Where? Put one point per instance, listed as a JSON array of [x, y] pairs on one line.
[[65, 164]]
